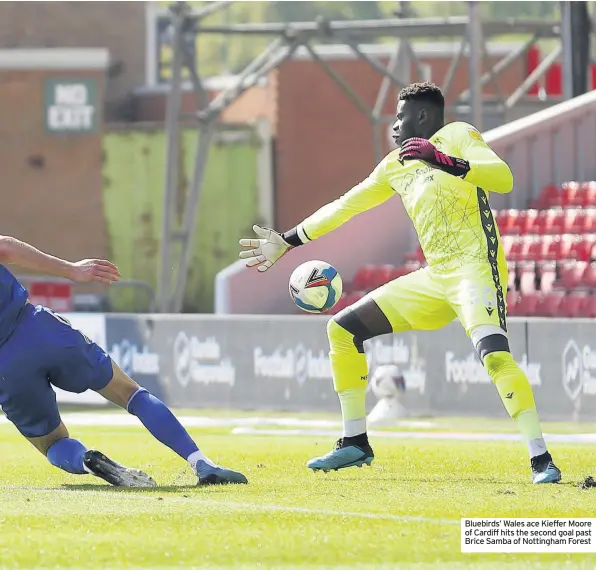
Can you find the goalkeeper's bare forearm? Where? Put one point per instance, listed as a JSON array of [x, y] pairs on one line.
[[17, 252]]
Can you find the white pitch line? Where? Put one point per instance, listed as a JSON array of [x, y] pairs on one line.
[[126, 420], [233, 505], [558, 437]]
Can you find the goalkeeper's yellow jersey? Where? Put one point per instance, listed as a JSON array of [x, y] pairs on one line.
[[452, 216]]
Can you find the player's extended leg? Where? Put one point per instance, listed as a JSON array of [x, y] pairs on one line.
[[72, 456], [165, 427], [62, 451], [347, 332], [412, 301], [516, 393], [76, 364], [33, 354], [477, 293]]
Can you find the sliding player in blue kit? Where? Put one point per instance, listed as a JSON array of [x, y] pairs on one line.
[[39, 349]]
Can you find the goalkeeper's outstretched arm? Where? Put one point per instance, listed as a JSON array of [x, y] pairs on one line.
[[371, 192], [271, 245]]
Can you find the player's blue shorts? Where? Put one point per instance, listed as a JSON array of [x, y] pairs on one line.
[[44, 350]]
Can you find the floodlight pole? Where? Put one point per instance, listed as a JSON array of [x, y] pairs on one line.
[[475, 64], [172, 128], [566, 40], [180, 19]]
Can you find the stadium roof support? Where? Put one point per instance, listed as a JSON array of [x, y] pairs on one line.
[[186, 22]]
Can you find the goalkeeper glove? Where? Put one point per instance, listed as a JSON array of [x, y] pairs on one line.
[[264, 251], [423, 149]]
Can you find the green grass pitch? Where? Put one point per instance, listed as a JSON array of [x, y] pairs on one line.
[[403, 513]]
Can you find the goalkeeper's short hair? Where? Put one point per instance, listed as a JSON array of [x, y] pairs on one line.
[[426, 91]]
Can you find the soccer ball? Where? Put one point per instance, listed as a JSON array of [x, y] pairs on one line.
[[315, 286], [387, 382]]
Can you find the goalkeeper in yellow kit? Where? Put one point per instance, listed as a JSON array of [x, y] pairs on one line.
[[442, 174]]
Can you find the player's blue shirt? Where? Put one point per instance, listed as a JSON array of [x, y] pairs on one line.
[[13, 297]]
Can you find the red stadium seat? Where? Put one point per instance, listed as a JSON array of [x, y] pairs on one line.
[[370, 277], [381, 275], [548, 305], [355, 296], [417, 256], [363, 277], [579, 194], [581, 248], [557, 248], [508, 222], [507, 242], [526, 306], [571, 194], [551, 249], [588, 277], [516, 249], [590, 221], [512, 277], [588, 308], [540, 222], [551, 222], [530, 249], [548, 197], [547, 275], [527, 280], [402, 270], [570, 274], [572, 305], [512, 301], [574, 221], [527, 221], [589, 194]]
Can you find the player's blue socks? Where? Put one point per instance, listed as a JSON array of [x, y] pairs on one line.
[[161, 423], [67, 454]]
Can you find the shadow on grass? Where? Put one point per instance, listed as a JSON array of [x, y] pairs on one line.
[[145, 490]]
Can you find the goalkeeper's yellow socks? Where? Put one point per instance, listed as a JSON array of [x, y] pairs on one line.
[[516, 393]]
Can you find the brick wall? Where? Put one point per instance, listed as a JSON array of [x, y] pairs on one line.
[[117, 26], [51, 183]]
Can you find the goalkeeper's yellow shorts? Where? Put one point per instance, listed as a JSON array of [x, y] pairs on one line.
[[427, 300]]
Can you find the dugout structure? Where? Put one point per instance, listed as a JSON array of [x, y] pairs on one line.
[[471, 31]]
